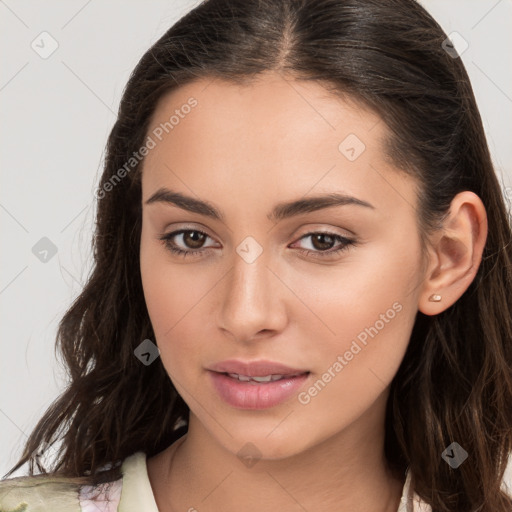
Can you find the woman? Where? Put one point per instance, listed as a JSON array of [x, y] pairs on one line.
[[301, 297]]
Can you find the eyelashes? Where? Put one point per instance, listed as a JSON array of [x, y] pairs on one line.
[[172, 247]]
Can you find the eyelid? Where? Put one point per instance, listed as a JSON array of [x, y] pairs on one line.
[[321, 228], [315, 228]]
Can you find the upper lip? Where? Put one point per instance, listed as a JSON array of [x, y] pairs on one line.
[[255, 368]]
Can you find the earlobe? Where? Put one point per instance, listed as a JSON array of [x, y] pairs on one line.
[[456, 254]]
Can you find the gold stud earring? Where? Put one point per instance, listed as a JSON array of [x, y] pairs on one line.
[[434, 298]]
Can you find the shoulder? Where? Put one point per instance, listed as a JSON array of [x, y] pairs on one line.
[[43, 493], [37, 494]]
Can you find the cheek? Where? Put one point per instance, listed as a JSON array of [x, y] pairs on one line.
[[356, 372], [372, 288], [173, 296], [356, 365], [167, 286], [372, 314], [174, 333]]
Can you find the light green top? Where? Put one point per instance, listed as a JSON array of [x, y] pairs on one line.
[[48, 494], [131, 493]]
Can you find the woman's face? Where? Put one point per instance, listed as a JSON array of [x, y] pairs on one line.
[[267, 281]]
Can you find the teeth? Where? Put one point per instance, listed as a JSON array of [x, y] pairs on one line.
[[266, 378], [243, 378]]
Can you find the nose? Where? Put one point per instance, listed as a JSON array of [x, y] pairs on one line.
[[253, 300]]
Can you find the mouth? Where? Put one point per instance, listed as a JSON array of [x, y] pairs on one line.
[[263, 379], [242, 391], [268, 371]]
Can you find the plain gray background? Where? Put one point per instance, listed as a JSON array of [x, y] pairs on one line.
[[57, 111]]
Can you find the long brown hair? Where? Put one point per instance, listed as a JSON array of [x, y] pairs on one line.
[[455, 382]]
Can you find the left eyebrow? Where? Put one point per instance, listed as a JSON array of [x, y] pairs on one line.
[[279, 212]]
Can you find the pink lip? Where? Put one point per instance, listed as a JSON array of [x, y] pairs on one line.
[[254, 395], [254, 368]]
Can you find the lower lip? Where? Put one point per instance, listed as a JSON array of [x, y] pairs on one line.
[[252, 395]]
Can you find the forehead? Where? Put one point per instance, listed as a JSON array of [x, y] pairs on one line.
[[268, 105], [293, 136]]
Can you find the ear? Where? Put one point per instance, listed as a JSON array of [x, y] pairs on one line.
[[455, 254]]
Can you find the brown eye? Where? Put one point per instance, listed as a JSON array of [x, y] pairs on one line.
[[322, 244], [322, 241], [191, 242], [193, 239]]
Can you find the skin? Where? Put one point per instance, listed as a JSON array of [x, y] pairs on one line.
[[288, 306]]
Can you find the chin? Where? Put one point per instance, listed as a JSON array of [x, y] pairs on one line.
[[262, 446]]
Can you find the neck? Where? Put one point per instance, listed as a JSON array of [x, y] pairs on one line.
[[345, 472]]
